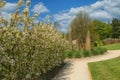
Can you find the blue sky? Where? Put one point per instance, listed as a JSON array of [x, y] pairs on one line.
[[64, 11], [58, 5]]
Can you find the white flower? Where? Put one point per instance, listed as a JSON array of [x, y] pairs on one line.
[[20, 3], [26, 12], [28, 3]]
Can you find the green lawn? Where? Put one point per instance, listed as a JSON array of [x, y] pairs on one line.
[[112, 46], [105, 70]]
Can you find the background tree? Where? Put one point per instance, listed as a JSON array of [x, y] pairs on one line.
[[80, 25], [115, 28], [102, 29]]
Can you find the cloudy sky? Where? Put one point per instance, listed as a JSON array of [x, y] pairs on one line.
[[63, 11]]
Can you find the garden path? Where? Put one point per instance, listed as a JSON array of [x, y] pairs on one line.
[[77, 69]]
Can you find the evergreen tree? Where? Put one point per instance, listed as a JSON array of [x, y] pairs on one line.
[[115, 28]]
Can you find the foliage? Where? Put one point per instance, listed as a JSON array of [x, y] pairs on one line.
[[69, 54], [73, 54], [30, 51], [98, 50], [115, 28], [105, 70], [84, 53], [98, 43], [79, 26], [104, 30], [78, 54]]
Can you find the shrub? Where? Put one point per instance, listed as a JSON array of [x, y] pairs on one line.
[[29, 52], [70, 54], [111, 41], [98, 44], [85, 53], [98, 50], [73, 54], [78, 54]]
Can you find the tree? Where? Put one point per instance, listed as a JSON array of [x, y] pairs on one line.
[[102, 29], [80, 25], [115, 28]]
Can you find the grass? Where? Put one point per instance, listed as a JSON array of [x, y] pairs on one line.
[[105, 70], [112, 46]]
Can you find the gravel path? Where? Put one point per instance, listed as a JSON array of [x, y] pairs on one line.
[[77, 69]]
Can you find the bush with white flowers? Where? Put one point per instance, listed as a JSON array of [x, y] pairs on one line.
[[30, 51]]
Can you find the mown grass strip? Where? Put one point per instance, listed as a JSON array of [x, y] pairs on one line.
[[105, 70], [112, 46]]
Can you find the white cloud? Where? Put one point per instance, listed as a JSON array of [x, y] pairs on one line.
[[7, 10], [97, 5], [103, 10], [61, 17], [6, 15], [64, 19], [100, 14], [63, 29], [9, 7], [40, 8]]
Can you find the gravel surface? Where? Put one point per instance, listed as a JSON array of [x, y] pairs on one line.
[[77, 69]]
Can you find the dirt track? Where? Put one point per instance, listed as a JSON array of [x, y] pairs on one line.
[[77, 69]]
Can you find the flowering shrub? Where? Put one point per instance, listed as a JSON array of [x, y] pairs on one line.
[[29, 52]]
